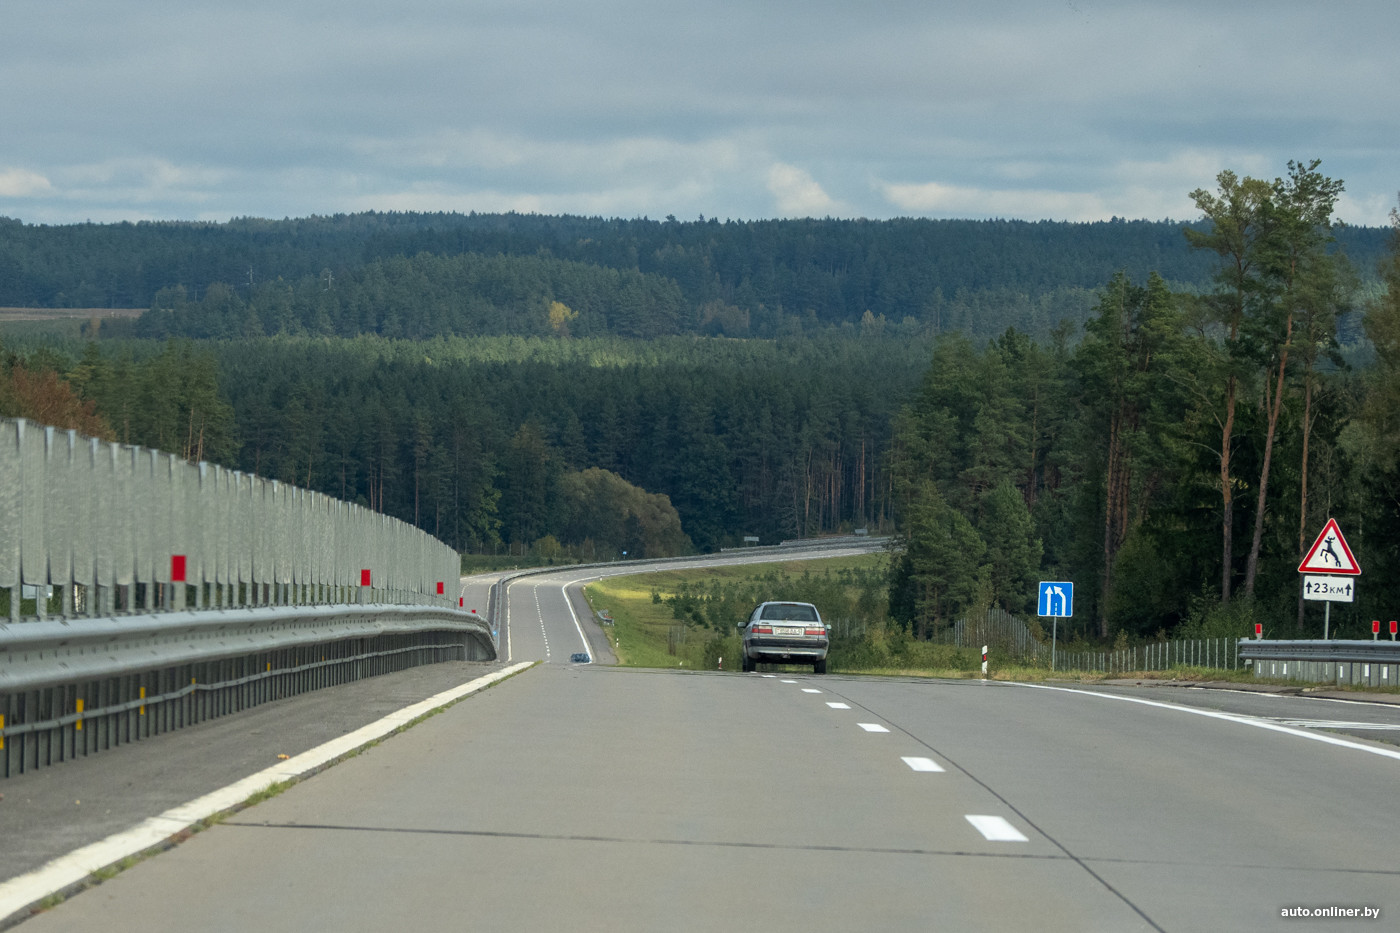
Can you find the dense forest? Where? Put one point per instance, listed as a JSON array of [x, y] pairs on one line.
[[423, 275], [1164, 414]]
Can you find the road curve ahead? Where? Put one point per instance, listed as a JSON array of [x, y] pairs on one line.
[[597, 798], [545, 617]]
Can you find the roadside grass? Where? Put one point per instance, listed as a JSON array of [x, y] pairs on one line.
[[646, 633]]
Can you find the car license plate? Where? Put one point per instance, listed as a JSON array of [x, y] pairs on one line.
[[787, 630]]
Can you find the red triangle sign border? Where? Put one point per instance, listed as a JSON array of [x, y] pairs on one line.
[[1330, 532]]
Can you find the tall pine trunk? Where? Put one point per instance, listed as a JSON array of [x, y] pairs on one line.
[[1252, 566], [1227, 496]]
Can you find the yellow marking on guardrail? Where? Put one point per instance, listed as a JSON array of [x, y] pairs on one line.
[[2, 731], [79, 724], [143, 705]]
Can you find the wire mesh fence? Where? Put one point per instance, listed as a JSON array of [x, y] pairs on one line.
[[1215, 653]]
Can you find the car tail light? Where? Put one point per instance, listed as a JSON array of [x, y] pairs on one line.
[[763, 630], [816, 631]]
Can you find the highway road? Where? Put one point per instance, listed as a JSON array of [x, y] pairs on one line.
[[598, 798]]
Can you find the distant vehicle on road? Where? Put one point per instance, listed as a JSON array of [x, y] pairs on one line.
[[580, 657], [785, 633]]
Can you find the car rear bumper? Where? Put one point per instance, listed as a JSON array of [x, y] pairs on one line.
[[782, 649]]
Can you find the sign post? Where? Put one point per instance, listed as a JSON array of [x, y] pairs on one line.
[[1328, 559], [1055, 600]]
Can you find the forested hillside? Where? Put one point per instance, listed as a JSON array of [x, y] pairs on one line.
[[487, 443], [439, 274], [1163, 415]]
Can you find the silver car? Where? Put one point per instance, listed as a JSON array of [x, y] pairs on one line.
[[785, 633]]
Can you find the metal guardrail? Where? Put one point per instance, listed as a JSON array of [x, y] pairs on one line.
[[184, 591], [1356, 663], [48, 653], [69, 689]]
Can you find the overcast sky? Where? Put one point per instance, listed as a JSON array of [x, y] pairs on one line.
[[1055, 109]]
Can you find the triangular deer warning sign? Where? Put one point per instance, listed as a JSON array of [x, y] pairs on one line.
[[1330, 554]]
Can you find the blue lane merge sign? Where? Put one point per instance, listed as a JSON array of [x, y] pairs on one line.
[[1056, 598]]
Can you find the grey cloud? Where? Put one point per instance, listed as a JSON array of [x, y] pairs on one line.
[[715, 106]]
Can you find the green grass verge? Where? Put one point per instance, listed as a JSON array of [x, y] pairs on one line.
[[645, 632]]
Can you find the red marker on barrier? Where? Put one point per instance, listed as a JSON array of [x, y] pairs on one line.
[[462, 603], [1392, 629], [1375, 629], [364, 578], [440, 591], [1258, 629], [177, 568]]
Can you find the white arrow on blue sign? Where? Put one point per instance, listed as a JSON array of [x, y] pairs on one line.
[[1056, 599]]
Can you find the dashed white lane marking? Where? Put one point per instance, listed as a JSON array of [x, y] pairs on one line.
[[788, 681], [996, 829], [839, 705], [810, 690], [922, 764], [873, 727], [544, 632], [770, 676]]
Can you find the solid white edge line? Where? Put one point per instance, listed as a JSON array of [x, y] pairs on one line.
[[505, 596], [21, 891], [996, 829], [564, 591], [1227, 717], [923, 764]]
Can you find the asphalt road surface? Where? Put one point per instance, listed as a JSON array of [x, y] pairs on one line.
[[597, 798], [602, 798]]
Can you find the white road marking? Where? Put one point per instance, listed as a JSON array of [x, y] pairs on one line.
[[789, 681], [539, 611], [588, 649], [510, 648], [873, 727], [769, 676], [810, 690], [839, 705], [1333, 724], [996, 829], [25, 889], [1228, 717], [922, 764]]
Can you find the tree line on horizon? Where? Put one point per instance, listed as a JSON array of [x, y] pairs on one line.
[[418, 275], [1170, 449]]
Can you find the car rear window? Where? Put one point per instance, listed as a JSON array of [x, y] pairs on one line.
[[789, 613]]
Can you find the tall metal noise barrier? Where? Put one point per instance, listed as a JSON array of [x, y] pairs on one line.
[[91, 528]]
